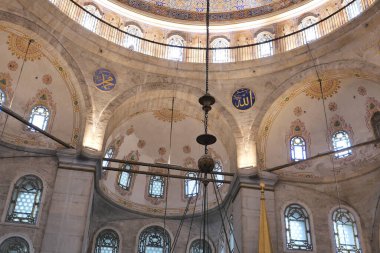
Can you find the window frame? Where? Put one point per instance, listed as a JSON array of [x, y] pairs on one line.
[[175, 40], [3, 97], [7, 237], [188, 193], [87, 18], [150, 185], [164, 233], [126, 187], [218, 164], [226, 52], [260, 39], [103, 231], [342, 154], [310, 247], [199, 242], [129, 40], [292, 149], [312, 28], [106, 155], [353, 10], [37, 201], [45, 124]]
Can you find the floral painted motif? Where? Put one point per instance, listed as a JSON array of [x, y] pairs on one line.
[[12, 65], [141, 144], [298, 111], [24, 47], [166, 115], [186, 149], [162, 151], [130, 131], [329, 88], [333, 106], [47, 79], [362, 91]]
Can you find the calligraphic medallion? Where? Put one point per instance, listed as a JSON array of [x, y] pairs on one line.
[[243, 99], [104, 79]]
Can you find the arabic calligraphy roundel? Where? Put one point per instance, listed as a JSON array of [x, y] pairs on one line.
[[243, 99], [104, 79]]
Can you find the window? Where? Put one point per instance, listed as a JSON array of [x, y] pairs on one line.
[[156, 186], [39, 117], [231, 236], [310, 33], [345, 232], [2, 97], [175, 50], [354, 9], [297, 148], [107, 241], [340, 141], [218, 168], [25, 201], [264, 49], [109, 154], [124, 180], [89, 21], [220, 55], [297, 228], [375, 121], [154, 240], [191, 185], [14, 245], [131, 42], [198, 245]]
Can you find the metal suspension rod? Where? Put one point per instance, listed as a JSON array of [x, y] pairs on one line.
[[165, 166], [24, 121], [160, 174]]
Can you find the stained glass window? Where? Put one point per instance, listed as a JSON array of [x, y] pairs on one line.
[[124, 180], [90, 22], [200, 246], [218, 168], [107, 241], [354, 9], [14, 245], [154, 239], [297, 148], [341, 140], [264, 49], [39, 117], [310, 33], [375, 121], [132, 42], [297, 228], [175, 53], [156, 186], [345, 232], [220, 55], [191, 185], [2, 97], [109, 154], [25, 202]]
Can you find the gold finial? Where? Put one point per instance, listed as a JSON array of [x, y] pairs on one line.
[[262, 186]]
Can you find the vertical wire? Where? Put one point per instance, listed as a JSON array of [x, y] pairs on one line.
[[166, 207], [171, 132]]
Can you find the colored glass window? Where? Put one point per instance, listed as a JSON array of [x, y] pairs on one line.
[[107, 241], [156, 186], [154, 239], [341, 140], [297, 148], [14, 245], [200, 246], [39, 117]]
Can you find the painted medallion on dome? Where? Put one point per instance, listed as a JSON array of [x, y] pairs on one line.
[[104, 79], [221, 10]]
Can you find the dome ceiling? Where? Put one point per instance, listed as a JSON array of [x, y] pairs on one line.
[[222, 10]]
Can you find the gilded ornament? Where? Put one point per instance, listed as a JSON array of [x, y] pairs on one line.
[[329, 88], [166, 115], [21, 48]]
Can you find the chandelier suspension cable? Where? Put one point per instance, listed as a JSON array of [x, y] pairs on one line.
[[184, 217], [191, 221], [218, 196], [17, 83]]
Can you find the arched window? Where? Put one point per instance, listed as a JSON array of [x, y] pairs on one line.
[[39, 117], [175, 53], [2, 97], [107, 241], [191, 185], [14, 245], [264, 49], [310, 33], [375, 122], [297, 148], [198, 245], [156, 186], [109, 154], [218, 168], [130, 41], [89, 21], [297, 228], [125, 178], [154, 239], [345, 232], [26, 200], [220, 55], [354, 9], [341, 140]]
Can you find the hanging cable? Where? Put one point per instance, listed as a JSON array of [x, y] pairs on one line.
[[171, 131], [166, 207]]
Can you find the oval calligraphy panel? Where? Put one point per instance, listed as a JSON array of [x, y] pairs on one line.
[[104, 79], [243, 99]]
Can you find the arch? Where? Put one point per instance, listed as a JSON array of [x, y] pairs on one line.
[[297, 148], [375, 122], [196, 246], [220, 55], [154, 238], [175, 50], [297, 228], [131, 42], [25, 200], [19, 235], [156, 186], [107, 240], [264, 49], [341, 140], [191, 186], [345, 230], [310, 33]]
